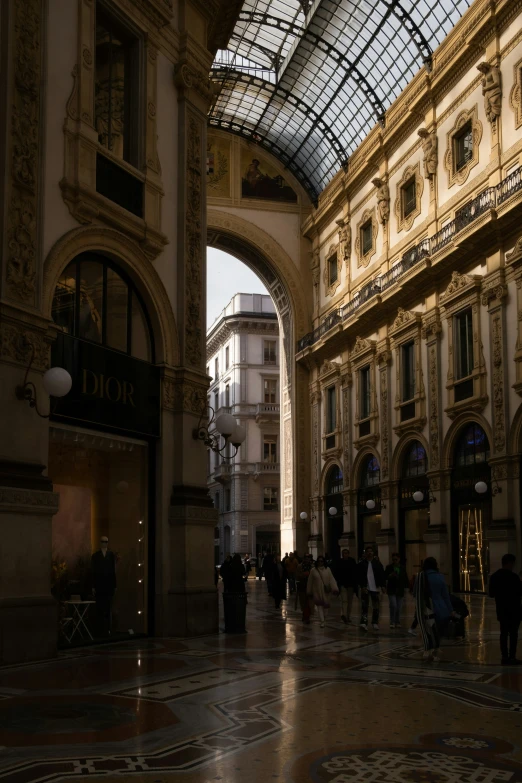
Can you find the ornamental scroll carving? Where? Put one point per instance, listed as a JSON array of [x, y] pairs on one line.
[[194, 249], [187, 76], [383, 372], [25, 123], [16, 345], [499, 434]]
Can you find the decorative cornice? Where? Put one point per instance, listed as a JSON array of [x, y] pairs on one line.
[[494, 287], [459, 284], [189, 77]]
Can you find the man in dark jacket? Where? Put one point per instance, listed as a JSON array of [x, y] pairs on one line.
[[506, 588], [370, 578], [103, 570], [345, 573], [396, 583]]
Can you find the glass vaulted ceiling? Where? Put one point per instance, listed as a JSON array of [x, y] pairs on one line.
[[308, 80]]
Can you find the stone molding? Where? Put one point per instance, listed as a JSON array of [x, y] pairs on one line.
[[331, 288], [21, 230], [515, 94], [364, 259], [28, 501], [16, 340], [194, 333], [404, 223], [459, 177], [193, 514], [180, 394], [117, 245]]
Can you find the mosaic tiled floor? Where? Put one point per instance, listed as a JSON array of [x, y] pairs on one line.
[[285, 702]]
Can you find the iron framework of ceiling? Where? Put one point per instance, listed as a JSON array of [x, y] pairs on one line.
[[308, 80]]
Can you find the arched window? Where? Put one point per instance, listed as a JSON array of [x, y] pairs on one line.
[[334, 480], [371, 472], [415, 462], [472, 446], [94, 300]]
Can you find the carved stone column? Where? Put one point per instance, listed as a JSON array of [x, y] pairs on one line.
[[28, 612], [388, 512], [501, 531], [187, 604]]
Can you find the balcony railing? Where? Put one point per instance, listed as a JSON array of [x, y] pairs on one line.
[[487, 200], [267, 409], [267, 467]]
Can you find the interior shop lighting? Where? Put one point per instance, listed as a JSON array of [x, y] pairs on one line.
[[57, 382]]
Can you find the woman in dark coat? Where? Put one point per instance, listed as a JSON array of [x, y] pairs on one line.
[[279, 577], [235, 581]]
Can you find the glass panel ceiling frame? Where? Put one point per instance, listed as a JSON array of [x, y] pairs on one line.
[[325, 80]]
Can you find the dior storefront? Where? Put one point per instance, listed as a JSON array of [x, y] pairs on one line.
[[101, 448]]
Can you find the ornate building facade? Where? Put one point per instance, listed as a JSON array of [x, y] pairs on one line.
[[243, 361]]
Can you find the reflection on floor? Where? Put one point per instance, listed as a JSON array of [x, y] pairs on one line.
[[285, 702]]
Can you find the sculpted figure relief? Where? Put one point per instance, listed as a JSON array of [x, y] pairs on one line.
[[345, 238], [383, 198], [429, 147], [491, 90]]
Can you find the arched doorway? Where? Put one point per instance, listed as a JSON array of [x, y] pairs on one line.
[[333, 499], [414, 510], [470, 510], [283, 280], [369, 504]]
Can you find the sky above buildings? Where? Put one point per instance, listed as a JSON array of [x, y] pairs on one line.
[[227, 276]]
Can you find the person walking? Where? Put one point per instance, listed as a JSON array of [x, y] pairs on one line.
[[224, 571], [345, 574], [370, 578], [506, 588], [301, 580], [432, 607], [279, 578], [235, 579], [396, 583], [268, 567], [291, 567], [321, 585]]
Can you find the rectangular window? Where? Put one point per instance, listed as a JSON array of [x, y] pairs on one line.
[[269, 352], [408, 371], [270, 390], [270, 449], [216, 501], [116, 92], [331, 409], [216, 400], [227, 396], [366, 237], [332, 269], [464, 343], [409, 198], [228, 503], [216, 368], [270, 499], [365, 391], [463, 145], [227, 358]]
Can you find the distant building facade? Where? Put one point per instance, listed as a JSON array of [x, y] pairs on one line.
[[243, 363]]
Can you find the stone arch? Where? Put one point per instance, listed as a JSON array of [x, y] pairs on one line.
[[135, 263], [515, 433], [259, 251], [454, 432], [358, 462], [400, 451], [329, 464]]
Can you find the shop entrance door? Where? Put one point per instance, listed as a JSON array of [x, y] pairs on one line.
[[473, 548]]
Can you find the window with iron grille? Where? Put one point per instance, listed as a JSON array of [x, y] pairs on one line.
[[331, 409], [332, 269], [269, 352], [366, 237], [270, 390], [409, 197], [464, 343], [270, 499], [365, 391], [270, 449], [408, 371], [463, 144]]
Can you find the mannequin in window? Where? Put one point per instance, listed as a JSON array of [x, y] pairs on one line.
[[103, 567]]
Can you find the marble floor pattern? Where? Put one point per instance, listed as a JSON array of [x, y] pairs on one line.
[[284, 702]]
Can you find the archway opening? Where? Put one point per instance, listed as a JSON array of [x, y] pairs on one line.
[[414, 506], [369, 504], [471, 509], [333, 506], [244, 362]]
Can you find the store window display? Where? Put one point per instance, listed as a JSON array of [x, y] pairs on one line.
[[414, 514]]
